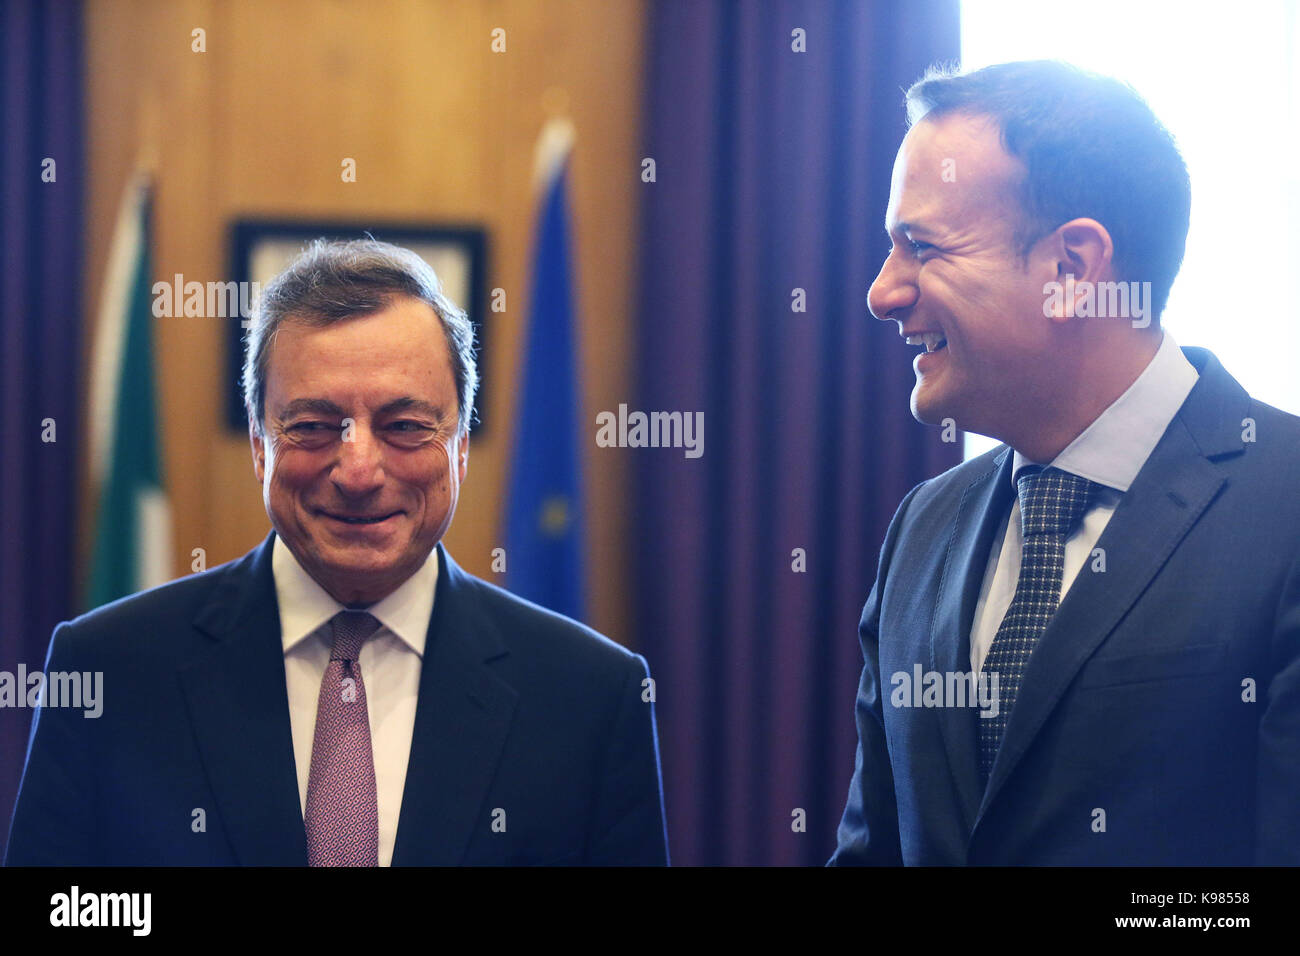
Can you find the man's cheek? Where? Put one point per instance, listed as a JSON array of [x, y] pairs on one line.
[[446, 464], [941, 290]]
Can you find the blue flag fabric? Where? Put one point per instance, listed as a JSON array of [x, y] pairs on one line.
[[544, 526]]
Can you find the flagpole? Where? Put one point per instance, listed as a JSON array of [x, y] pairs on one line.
[[544, 525], [131, 545], [555, 142]]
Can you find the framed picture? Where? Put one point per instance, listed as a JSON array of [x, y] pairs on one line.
[[260, 249]]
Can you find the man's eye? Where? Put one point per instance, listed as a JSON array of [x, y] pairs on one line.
[[307, 426], [917, 247], [406, 426]]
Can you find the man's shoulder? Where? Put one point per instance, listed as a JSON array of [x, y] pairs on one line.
[[1265, 470], [947, 488], [142, 618], [1281, 428], [532, 630]]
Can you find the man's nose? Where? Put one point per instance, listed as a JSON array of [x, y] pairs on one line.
[[359, 468], [893, 291]]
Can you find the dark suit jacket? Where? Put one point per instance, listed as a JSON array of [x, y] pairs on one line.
[[519, 709], [1132, 702]]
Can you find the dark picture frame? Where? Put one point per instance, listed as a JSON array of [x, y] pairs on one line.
[[260, 248]]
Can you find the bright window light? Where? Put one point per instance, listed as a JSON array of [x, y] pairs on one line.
[[1225, 80]]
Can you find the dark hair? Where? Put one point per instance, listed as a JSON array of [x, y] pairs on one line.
[[1091, 148], [336, 280]]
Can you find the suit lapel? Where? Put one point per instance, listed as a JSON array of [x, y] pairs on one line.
[[981, 516], [1169, 495], [239, 708], [461, 722]]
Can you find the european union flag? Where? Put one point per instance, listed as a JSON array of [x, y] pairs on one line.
[[544, 519]]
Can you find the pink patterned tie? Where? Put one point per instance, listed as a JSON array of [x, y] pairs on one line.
[[342, 807]]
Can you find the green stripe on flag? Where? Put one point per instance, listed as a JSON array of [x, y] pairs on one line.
[[133, 470]]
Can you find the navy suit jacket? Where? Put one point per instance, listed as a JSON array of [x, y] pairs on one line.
[[520, 710], [1135, 738]]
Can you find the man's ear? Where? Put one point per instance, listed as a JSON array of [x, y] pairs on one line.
[[259, 450], [1084, 250], [462, 457]]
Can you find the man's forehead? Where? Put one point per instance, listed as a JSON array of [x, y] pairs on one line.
[[401, 342], [396, 314], [399, 333], [950, 165]]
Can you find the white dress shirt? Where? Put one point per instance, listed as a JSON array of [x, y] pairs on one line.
[[1110, 451], [390, 668]]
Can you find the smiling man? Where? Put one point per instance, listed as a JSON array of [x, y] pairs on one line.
[[345, 695], [1126, 564]]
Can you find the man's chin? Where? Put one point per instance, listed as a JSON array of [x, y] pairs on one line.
[[363, 554], [365, 578], [927, 408], [362, 557]]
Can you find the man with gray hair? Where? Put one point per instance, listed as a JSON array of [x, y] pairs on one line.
[[346, 695]]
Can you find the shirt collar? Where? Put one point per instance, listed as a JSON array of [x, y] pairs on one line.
[[305, 606], [1113, 449]]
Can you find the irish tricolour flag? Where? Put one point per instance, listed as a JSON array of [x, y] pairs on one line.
[[132, 544]]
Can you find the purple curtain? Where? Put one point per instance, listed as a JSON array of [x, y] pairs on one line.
[[772, 172], [40, 325]]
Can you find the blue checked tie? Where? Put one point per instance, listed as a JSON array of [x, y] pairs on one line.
[[1051, 504]]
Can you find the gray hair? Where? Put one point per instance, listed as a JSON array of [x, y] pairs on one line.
[[335, 280]]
